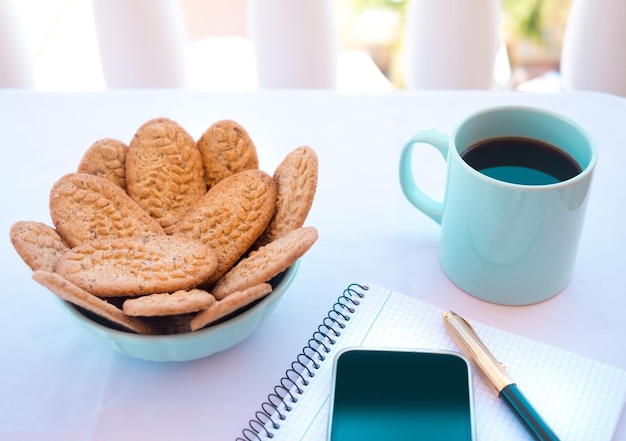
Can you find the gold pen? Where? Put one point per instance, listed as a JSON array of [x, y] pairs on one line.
[[496, 376]]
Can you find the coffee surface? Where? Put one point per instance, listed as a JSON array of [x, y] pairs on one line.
[[521, 161]]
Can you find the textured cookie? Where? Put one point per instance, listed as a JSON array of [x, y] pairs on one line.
[[226, 149], [84, 207], [268, 261], [38, 244], [296, 183], [132, 266], [79, 297], [230, 304], [164, 171], [106, 158], [231, 216], [178, 302]]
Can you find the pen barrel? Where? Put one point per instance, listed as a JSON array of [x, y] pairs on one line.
[[518, 403], [472, 346]]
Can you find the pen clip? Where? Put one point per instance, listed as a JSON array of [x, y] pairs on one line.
[[467, 339]]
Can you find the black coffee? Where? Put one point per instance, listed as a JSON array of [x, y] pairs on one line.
[[521, 161]]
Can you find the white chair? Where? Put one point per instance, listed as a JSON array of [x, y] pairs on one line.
[[451, 44], [219, 53], [141, 42], [593, 56], [295, 43], [16, 60]]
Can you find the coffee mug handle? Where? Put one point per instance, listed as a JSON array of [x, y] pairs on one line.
[[412, 192]]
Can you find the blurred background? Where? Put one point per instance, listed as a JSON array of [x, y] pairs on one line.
[[219, 55], [531, 32]]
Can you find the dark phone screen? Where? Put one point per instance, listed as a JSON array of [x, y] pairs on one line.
[[396, 395]]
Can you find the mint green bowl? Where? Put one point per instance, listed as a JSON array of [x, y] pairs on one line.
[[190, 345]]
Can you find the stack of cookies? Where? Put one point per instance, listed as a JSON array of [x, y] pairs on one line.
[[168, 234]]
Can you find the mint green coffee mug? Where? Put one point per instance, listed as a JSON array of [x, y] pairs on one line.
[[518, 182]]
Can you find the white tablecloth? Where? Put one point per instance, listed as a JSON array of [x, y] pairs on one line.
[[59, 382]]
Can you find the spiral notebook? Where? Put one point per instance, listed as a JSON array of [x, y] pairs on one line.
[[581, 399]]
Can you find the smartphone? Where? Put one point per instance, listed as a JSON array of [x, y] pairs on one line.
[[382, 394]]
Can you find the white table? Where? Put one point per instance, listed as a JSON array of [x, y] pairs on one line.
[[57, 381]]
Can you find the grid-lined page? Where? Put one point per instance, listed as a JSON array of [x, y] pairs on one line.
[[581, 399]]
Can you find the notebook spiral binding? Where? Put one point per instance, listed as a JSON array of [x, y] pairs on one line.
[[279, 402]]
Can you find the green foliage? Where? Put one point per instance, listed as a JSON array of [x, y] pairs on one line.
[[530, 18], [359, 5], [524, 17]]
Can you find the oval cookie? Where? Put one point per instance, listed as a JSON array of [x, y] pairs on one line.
[[69, 292], [229, 305], [164, 171], [133, 266], [226, 149], [38, 244], [85, 207], [296, 184], [179, 302], [231, 216], [106, 158], [268, 261]]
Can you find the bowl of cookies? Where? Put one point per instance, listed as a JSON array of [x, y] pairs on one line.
[[172, 249]]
